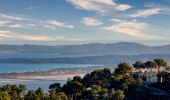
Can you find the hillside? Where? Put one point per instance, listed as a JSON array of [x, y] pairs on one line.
[[106, 60]]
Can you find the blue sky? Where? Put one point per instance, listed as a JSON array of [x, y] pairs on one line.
[[53, 22]]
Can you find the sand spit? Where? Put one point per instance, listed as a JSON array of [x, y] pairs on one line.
[[52, 74]]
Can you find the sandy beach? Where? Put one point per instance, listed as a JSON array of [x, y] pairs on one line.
[[53, 74]]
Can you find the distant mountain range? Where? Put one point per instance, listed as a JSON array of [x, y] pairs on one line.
[[94, 49]]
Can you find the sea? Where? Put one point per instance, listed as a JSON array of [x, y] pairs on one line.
[[29, 67]]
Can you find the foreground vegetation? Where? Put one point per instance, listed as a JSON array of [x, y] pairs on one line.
[[124, 83]]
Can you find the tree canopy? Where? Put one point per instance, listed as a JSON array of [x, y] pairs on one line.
[[100, 84]]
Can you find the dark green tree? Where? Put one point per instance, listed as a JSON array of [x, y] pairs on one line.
[[167, 69], [151, 65], [52, 94], [77, 78], [72, 88], [4, 95], [119, 95], [14, 96], [138, 65], [160, 63], [30, 95], [39, 93], [123, 69], [55, 86]]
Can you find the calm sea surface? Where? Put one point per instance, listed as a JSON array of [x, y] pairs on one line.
[[16, 67], [6, 67]]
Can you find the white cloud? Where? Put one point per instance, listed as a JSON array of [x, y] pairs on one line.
[[133, 29], [5, 34], [165, 9], [89, 21], [9, 35], [146, 12], [116, 20], [31, 25], [53, 24], [16, 26], [123, 7], [22, 25], [12, 24], [75, 40], [31, 8], [100, 6], [16, 22], [39, 37], [4, 23], [5, 16]]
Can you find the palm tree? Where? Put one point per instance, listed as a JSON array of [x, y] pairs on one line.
[[160, 63]]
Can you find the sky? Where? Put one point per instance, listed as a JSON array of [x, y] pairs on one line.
[[58, 22]]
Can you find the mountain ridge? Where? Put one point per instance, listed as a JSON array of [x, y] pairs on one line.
[[92, 49]]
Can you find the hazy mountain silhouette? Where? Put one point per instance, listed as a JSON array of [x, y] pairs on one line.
[[121, 48]]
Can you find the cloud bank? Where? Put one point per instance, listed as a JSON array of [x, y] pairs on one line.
[[132, 29], [89, 21], [100, 6]]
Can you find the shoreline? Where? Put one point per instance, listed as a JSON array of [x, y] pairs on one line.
[[47, 75]]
